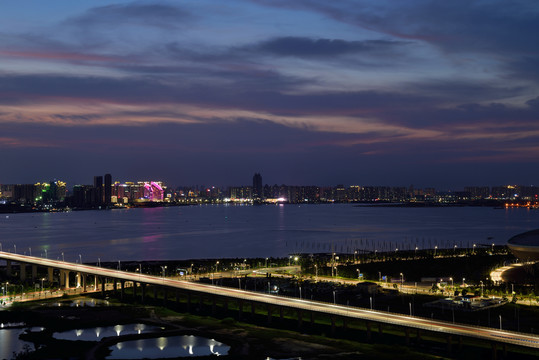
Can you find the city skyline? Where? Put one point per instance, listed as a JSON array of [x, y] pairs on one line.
[[305, 92]]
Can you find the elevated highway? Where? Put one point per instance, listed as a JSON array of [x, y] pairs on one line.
[[410, 322]]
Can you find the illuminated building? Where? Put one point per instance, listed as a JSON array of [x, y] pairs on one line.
[[257, 186]]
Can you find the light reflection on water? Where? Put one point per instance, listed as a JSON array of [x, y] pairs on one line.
[[97, 333], [255, 231], [167, 347], [10, 343]]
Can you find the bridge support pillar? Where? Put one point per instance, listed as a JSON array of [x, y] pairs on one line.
[[312, 317], [134, 289], [50, 274], [8, 268], [142, 291], [332, 324], [34, 272], [369, 333], [77, 278], [103, 285], [22, 274], [122, 288], [66, 279], [114, 285], [96, 280], [494, 351], [84, 282], [300, 319], [268, 307]]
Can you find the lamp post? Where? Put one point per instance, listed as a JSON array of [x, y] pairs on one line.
[[80, 258], [500, 321], [463, 279], [358, 274], [164, 268], [452, 285], [473, 251], [334, 298], [435, 248], [266, 262], [402, 280], [30, 250], [42, 284], [63, 259], [46, 256], [15, 247]]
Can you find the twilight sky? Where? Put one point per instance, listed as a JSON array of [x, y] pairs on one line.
[[430, 93]]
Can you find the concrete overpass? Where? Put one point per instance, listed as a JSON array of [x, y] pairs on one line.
[[271, 301]]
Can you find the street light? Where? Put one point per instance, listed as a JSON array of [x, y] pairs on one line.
[[500, 321], [473, 251], [452, 285], [435, 248], [80, 258], [46, 254], [63, 259], [164, 268], [334, 298], [463, 281], [358, 274], [42, 283], [266, 262]]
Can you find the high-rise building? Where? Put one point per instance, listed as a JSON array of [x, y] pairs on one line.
[[257, 186], [108, 189], [98, 186]]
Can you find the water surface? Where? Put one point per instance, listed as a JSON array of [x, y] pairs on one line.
[[217, 231]]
